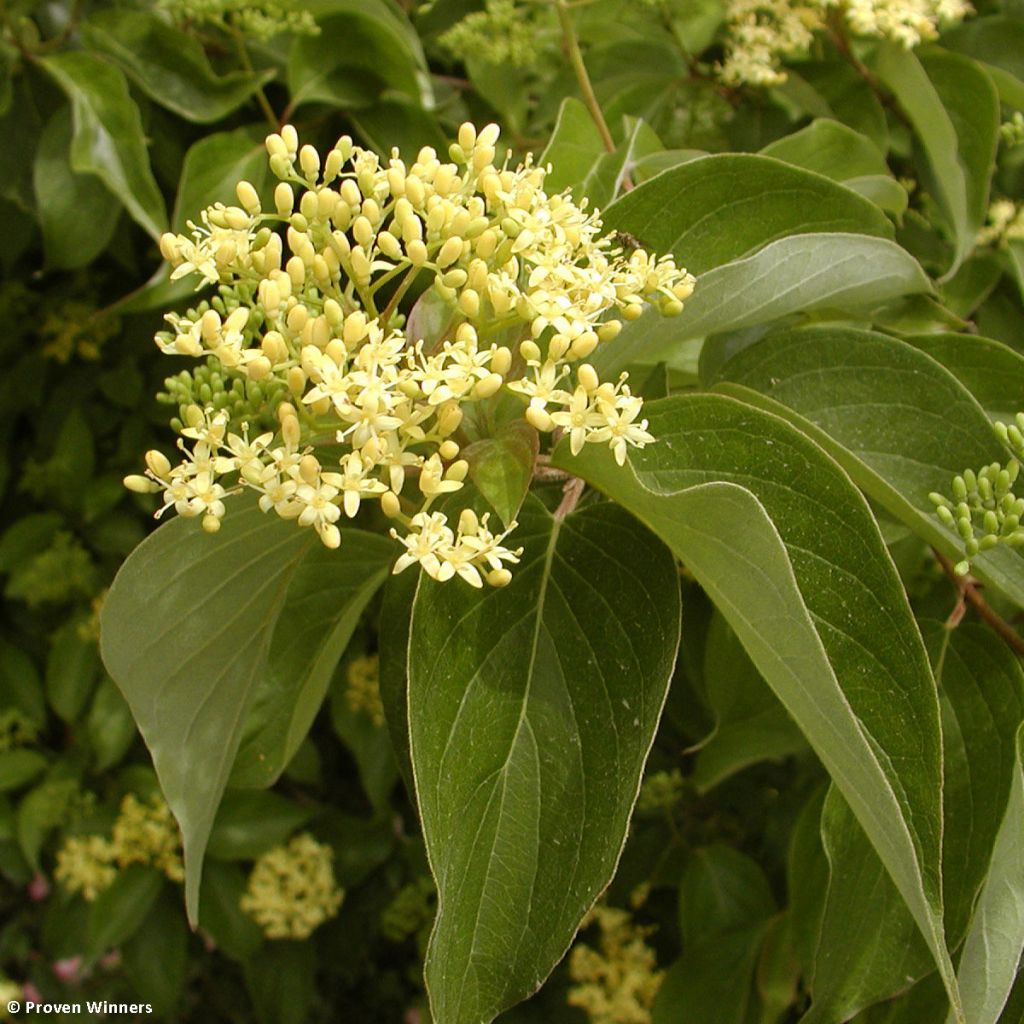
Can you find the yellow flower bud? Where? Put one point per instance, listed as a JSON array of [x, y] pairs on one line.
[[450, 252], [499, 577], [447, 450], [417, 252], [140, 484], [309, 161], [539, 418], [588, 378], [290, 137], [284, 199], [467, 136], [390, 505]]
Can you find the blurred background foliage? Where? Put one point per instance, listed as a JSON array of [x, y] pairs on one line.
[[119, 121]]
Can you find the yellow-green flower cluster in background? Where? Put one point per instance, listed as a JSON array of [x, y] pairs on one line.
[[984, 509], [144, 832], [504, 32], [292, 890], [261, 20], [763, 34], [1012, 132], [410, 912], [1005, 223], [362, 689], [660, 791], [530, 288], [616, 982]]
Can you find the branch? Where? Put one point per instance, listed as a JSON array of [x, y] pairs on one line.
[[968, 590]]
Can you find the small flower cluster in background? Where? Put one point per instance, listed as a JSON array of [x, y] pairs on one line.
[[614, 981], [144, 832], [983, 507], [762, 34], [260, 21], [318, 354], [1005, 223], [292, 890]]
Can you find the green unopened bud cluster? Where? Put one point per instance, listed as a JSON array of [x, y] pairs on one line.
[[211, 386], [1012, 131], [983, 508], [260, 20]]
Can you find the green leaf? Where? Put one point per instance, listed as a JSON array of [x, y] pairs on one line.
[[156, 960], [750, 723], [868, 947], [573, 149], [997, 43], [220, 913], [19, 767], [42, 810], [884, 191], [202, 682], [718, 209], [169, 65], [393, 640], [801, 273], [76, 211], [250, 823], [185, 631], [212, 167], [72, 666], [280, 977], [109, 726], [721, 890], [108, 137], [368, 742], [513, 695], [713, 980], [120, 909], [789, 552], [830, 148], [365, 48], [325, 600], [838, 380], [501, 467], [954, 110], [992, 951], [991, 371]]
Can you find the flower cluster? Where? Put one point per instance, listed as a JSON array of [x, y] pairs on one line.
[[984, 510], [362, 690], [350, 401], [410, 912], [1005, 223], [292, 890], [144, 833], [660, 792], [261, 20], [1012, 132], [615, 983], [762, 34], [504, 32]]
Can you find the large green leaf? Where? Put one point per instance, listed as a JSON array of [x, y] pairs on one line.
[[868, 946], [997, 43], [574, 147], [796, 274], [531, 712], [839, 381], [991, 371], [954, 110], [750, 723], [364, 48], [188, 633], [717, 209], [326, 598], [169, 65], [212, 167], [789, 552], [108, 137], [76, 212], [831, 148]]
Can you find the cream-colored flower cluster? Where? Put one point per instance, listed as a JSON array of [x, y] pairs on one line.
[[615, 983], [292, 890], [1005, 223], [144, 833], [763, 34], [374, 406]]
